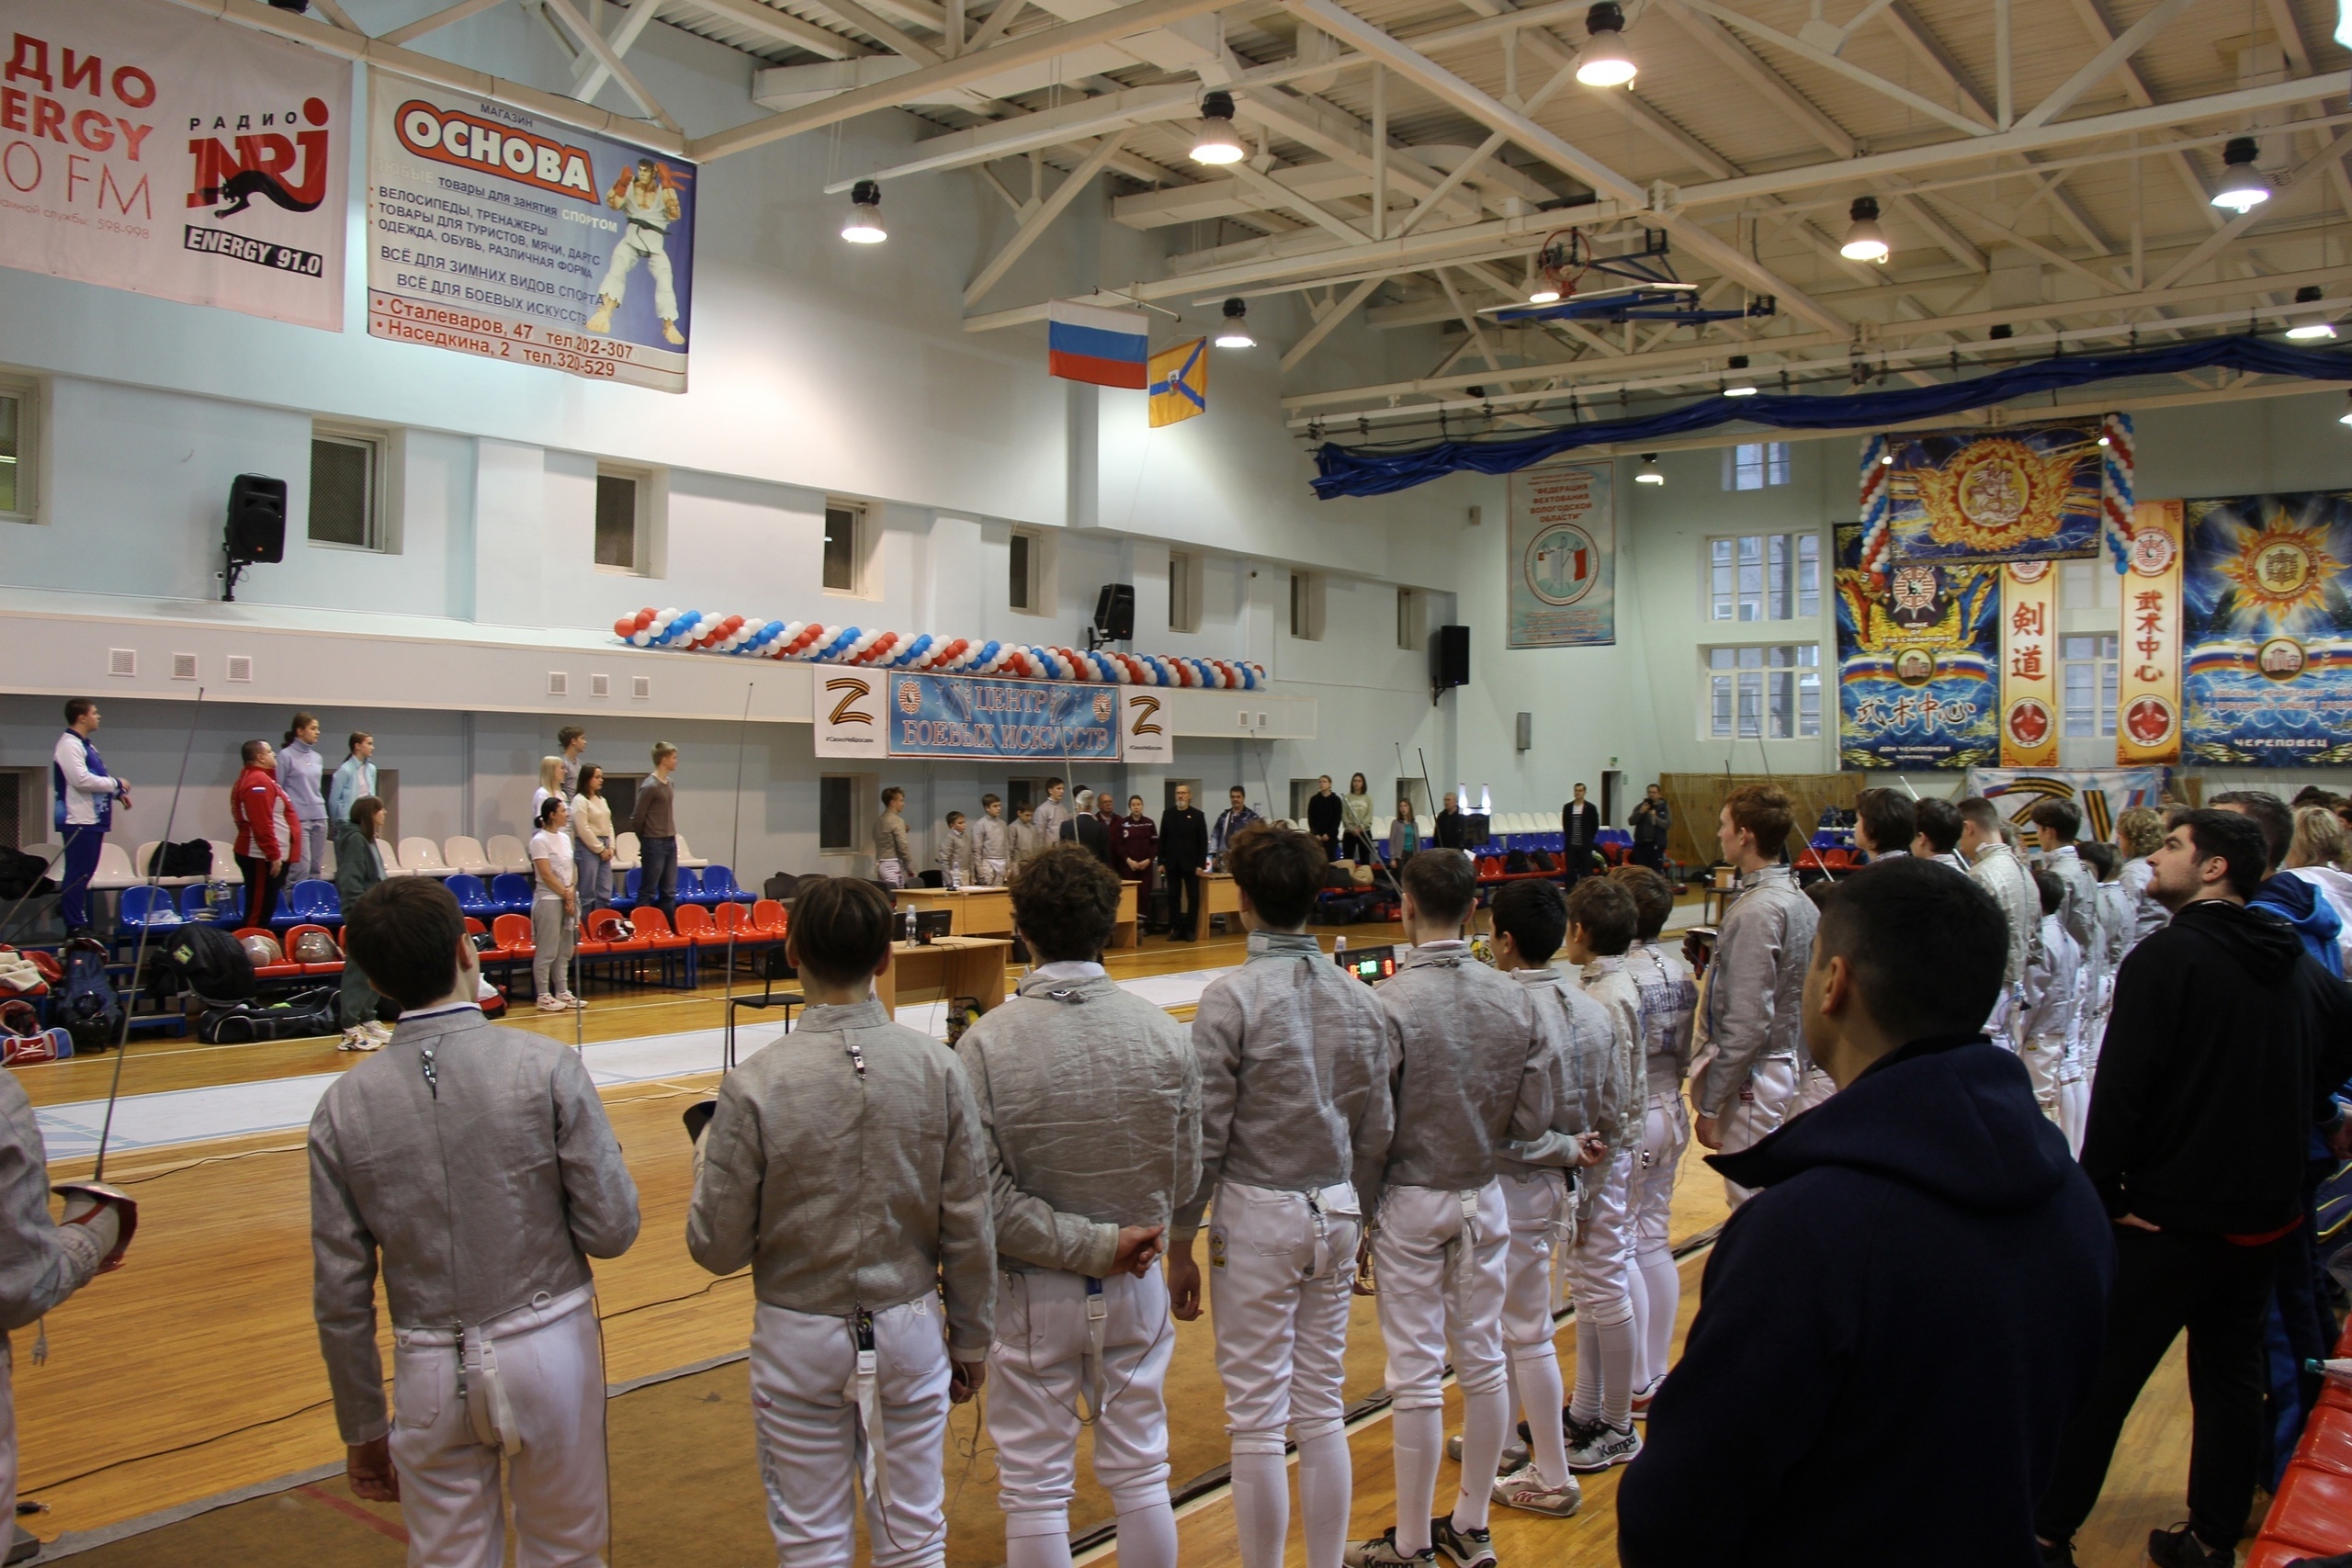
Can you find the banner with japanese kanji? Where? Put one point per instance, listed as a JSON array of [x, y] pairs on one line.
[[2266, 630], [2147, 703], [2028, 664], [1917, 651]]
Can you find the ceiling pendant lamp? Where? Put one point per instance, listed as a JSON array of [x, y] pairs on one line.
[[864, 225], [2242, 188], [1235, 332], [2316, 329], [1865, 241], [1649, 473], [1217, 141], [1740, 384], [1604, 62]]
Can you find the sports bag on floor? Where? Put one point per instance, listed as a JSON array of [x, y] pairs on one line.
[[302, 1016], [89, 1009], [206, 959]]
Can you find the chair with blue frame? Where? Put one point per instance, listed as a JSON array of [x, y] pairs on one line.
[[511, 891], [145, 907], [718, 886], [690, 890], [473, 897], [628, 887], [196, 903], [316, 902]]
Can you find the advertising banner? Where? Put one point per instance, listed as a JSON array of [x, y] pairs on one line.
[[1019, 721], [495, 231], [2148, 698], [1917, 653], [2103, 793], [2267, 622], [1564, 557], [2022, 492], [2029, 665], [150, 149]]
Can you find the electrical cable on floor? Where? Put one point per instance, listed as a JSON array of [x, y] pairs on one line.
[[177, 1448]]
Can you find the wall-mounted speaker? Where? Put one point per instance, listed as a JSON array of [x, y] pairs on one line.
[[1449, 657], [257, 519], [1525, 736], [1115, 613]]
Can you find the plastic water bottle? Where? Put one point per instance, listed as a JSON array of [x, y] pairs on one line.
[[1339, 951], [911, 928]]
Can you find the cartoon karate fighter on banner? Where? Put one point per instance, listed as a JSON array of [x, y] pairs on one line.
[[645, 197]]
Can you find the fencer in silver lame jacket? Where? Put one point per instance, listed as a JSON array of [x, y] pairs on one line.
[[2148, 917], [1090, 1102], [843, 1163], [2078, 912], [1468, 1064], [2000, 873], [477, 1162], [41, 1262], [1580, 1038], [1756, 985], [1622, 1107], [1293, 1059], [1670, 995]]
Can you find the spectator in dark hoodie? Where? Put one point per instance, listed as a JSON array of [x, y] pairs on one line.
[[2223, 1046], [1896, 1328], [2291, 898]]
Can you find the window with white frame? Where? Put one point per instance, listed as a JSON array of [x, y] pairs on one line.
[[1764, 577], [19, 401], [1184, 593], [844, 547], [1410, 620], [2092, 674], [1021, 591], [1761, 692], [1306, 606], [347, 489], [1756, 465]]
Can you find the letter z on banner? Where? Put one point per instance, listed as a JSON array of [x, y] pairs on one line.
[[494, 232], [1148, 730], [851, 717], [146, 148]]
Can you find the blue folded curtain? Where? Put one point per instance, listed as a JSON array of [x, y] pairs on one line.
[[1345, 470]]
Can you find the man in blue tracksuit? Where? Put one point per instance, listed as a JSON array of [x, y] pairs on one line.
[[85, 797]]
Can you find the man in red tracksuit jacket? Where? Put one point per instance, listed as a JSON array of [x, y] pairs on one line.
[[258, 807]]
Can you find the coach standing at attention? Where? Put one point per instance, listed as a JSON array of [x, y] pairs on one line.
[[1898, 1323]]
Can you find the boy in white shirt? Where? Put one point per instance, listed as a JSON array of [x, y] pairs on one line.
[[991, 854], [1601, 922], [1669, 1003]]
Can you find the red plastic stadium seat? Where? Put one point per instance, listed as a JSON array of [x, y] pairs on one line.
[[2313, 1510], [654, 926], [269, 971], [770, 917], [2327, 1440], [514, 936], [694, 925], [604, 926], [295, 935]]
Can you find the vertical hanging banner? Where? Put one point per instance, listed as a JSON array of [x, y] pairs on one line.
[[2266, 629], [150, 149], [1180, 382], [2148, 727], [1563, 557], [495, 231], [1918, 649], [2029, 665]]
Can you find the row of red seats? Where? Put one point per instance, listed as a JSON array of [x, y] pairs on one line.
[[762, 922], [2310, 1516]]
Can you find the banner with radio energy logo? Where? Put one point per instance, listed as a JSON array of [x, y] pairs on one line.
[[1917, 651], [2266, 613], [495, 231], [146, 148]]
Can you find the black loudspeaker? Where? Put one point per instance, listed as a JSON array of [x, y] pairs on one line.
[[1115, 613], [1449, 657], [257, 519]]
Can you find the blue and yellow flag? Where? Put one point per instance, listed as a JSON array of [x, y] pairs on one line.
[[1180, 382]]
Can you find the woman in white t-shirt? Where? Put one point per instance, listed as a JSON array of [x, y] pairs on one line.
[[550, 785], [555, 907]]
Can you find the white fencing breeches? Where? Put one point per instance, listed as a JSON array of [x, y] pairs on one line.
[[1767, 1099], [1046, 1376], [1441, 1277], [2045, 1057], [530, 1393], [1279, 1277], [7, 1428], [815, 1442], [650, 247], [1657, 1299], [1542, 1221]]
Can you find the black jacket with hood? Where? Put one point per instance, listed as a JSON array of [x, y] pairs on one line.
[[2224, 1043], [1892, 1334]]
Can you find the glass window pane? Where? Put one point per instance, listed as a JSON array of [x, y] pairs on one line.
[[340, 485], [1723, 658], [1721, 586], [1776, 463], [1809, 706], [1751, 704], [1809, 574], [1018, 590], [840, 549], [617, 521], [1751, 659], [11, 409], [1719, 721]]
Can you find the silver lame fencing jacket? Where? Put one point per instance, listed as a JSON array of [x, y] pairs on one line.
[[492, 1185], [1756, 985], [2000, 873], [1670, 995], [1470, 1065], [1621, 1109], [41, 1262], [846, 1189], [2080, 912], [1293, 1058], [1089, 1103], [1578, 1040]]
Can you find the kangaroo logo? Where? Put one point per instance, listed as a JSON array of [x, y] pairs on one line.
[[1142, 708], [852, 691]]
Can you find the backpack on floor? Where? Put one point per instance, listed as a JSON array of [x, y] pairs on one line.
[[89, 1009], [206, 959], [302, 1016], [23, 1040]]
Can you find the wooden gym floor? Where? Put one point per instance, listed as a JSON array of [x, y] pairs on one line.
[[194, 1372]]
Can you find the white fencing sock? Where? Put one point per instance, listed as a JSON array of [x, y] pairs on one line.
[[1261, 1503], [1536, 1373], [1662, 1289], [1326, 1488], [1147, 1531], [1638, 1294], [1419, 1443], [1585, 1404], [1032, 1540], [1485, 1421], [1617, 1352]]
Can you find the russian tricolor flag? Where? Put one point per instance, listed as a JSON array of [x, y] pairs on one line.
[[1088, 343]]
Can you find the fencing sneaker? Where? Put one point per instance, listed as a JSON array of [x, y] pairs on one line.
[[1463, 1549], [357, 1038], [1642, 1398], [1382, 1551], [1598, 1445], [1514, 1454], [2176, 1547], [1526, 1491]]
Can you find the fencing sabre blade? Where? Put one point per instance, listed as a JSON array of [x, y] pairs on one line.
[[734, 865], [138, 952]]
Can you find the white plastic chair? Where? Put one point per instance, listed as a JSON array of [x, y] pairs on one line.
[[625, 850], [687, 856], [420, 857], [461, 853], [506, 854], [326, 861], [113, 869], [139, 868]]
